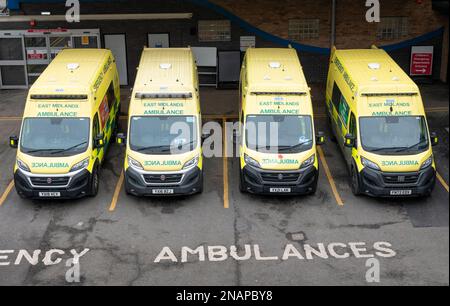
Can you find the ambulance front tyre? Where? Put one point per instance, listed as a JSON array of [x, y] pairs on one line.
[[314, 186], [355, 182], [94, 183], [241, 182]]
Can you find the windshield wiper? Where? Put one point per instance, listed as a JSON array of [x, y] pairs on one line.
[[152, 148], [387, 149], [41, 150], [410, 147], [285, 148], [68, 149]]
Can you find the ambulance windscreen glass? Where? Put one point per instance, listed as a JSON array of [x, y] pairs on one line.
[[279, 133], [394, 134], [54, 137], [163, 135]]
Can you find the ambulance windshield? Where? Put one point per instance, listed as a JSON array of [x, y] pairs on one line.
[[163, 135], [279, 133], [394, 135], [54, 137]]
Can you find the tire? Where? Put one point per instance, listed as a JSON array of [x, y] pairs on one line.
[[200, 191], [355, 182], [315, 184], [94, 182], [241, 182]]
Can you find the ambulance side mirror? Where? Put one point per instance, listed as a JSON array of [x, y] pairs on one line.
[[14, 142], [121, 139], [99, 141], [320, 138], [434, 139], [349, 141]]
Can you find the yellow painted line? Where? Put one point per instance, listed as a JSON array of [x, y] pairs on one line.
[[6, 193], [442, 181], [113, 205], [330, 177], [226, 200], [10, 118]]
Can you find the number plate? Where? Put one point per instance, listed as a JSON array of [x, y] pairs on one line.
[[49, 194], [162, 191], [401, 192], [280, 190]]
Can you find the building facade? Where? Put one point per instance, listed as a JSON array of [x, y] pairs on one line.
[[40, 30]]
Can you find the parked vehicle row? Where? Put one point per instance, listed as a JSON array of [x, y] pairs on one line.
[[72, 111]]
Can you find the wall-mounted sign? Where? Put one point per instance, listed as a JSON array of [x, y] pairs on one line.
[[421, 60], [85, 40], [37, 54], [247, 42]]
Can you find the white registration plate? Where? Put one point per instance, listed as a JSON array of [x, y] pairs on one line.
[[401, 192], [280, 190], [49, 194], [162, 191]]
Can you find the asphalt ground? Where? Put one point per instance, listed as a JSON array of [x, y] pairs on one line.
[[141, 241]]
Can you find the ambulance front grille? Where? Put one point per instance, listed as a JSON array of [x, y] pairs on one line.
[[50, 181]]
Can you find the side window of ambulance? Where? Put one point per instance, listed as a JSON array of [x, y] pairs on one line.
[[111, 96], [352, 128], [336, 98], [95, 127], [344, 110]]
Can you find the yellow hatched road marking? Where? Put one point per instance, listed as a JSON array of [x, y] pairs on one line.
[[6, 193]]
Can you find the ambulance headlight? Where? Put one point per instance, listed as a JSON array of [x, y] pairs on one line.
[[427, 163], [81, 165], [22, 165], [250, 161], [369, 164], [134, 163], [192, 163], [310, 161]]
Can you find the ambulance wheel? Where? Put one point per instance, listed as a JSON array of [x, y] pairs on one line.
[[94, 183], [241, 182], [355, 183], [314, 186]]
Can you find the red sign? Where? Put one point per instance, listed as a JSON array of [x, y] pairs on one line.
[[422, 60]]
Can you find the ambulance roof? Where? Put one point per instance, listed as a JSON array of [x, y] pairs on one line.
[[165, 70], [373, 71], [275, 70], [71, 72]]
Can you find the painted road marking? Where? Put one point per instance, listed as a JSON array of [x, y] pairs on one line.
[[330, 177], [442, 181], [7, 192], [115, 198], [226, 201]]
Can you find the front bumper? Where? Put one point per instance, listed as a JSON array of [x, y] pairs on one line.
[[255, 181], [375, 183], [78, 186], [191, 183]]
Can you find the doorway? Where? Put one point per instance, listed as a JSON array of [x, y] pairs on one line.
[[117, 43]]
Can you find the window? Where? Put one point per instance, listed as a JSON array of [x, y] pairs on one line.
[[340, 104], [111, 96], [391, 28], [214, 30], [95, 127], [302, 29], [352, 129]]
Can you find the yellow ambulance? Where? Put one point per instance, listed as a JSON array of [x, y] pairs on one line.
[[377, 116], [70, 115], [163, 144], [277, 137]]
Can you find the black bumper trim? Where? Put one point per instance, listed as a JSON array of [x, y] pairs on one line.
[[191, 184], [253, 181], [78, 187], [373, 184]]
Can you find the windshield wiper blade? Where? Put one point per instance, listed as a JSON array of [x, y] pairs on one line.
[[41, 150], [410, 147], [283, 148], [68, 149], [387, 149], [152, 148]]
